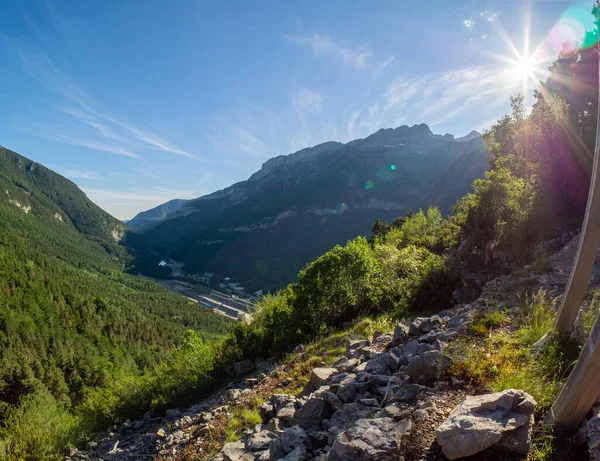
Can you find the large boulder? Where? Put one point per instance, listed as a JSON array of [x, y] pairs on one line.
[[318, 377], [400, 334], [293, 439], [368, 439], [311, 413], [345, 365], [428, 366], [502, 420], [236, 451], [352, 345], [260, 441], [422, 325]]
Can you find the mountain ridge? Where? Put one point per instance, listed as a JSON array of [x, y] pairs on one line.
[[261, 231], [286, 160]]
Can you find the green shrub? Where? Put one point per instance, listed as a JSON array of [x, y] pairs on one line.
[[420, 229], [340, 286], [37, 429], [345, 284]]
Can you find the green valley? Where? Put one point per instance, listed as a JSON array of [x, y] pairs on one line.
[[71, 319]]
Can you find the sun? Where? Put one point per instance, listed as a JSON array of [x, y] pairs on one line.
[[525, 68]]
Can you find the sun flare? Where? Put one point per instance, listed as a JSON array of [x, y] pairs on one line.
[[525, 68]]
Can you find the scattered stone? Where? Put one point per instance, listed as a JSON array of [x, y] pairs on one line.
[[354, 345], [345, 365], [266, 411], [275, 425], [311, 413], [292, 438], [260, 441], [286, 412], [369, 402], [393, 361], [480, 422], [400, 334], [408, 392], [318, 377], [460, 321], [427, 366], [236, 451], [233, 394], [378, 438], [422, 325], [347, 389]]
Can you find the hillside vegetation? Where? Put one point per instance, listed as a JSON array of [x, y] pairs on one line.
[[72, 323]]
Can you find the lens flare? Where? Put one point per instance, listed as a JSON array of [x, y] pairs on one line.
[[369, 185], [529, 67], [393, 167]]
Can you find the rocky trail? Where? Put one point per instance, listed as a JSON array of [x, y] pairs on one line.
[[387, 398]]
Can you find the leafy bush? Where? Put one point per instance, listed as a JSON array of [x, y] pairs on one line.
[[37, 429], [419, 229], [340, 286], [395, 275], [498, 212]]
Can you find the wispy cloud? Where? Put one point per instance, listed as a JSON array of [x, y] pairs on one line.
[[380, 68], [73, 172], [234, 135], [436, 98], [109, 132], [306, 101], [90, 144], [324, 46], [469, 24]]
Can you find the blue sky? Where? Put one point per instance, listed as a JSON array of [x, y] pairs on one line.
[[139, 102]]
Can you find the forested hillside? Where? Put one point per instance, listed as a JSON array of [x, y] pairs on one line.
[[71, 320]]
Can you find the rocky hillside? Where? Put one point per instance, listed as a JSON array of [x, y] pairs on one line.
[[407, 394], [262, 231]]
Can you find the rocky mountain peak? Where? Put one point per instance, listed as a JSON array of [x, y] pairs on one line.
[[299, 156], [472, 135]]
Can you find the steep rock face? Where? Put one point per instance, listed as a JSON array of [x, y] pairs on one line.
[[300, 205]]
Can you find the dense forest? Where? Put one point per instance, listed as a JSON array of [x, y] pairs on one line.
[[71, 320]]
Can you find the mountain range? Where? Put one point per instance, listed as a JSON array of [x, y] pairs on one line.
[[262, 231]]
